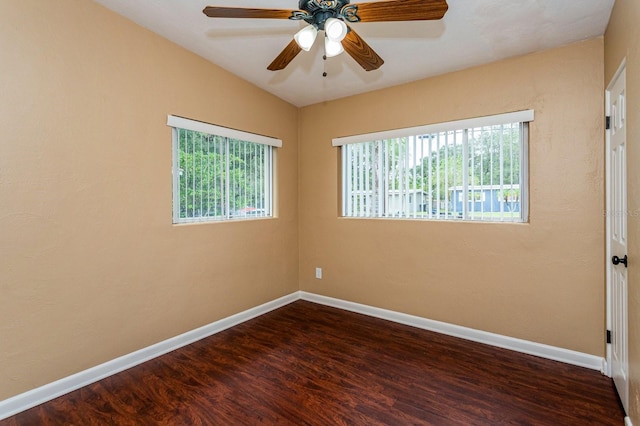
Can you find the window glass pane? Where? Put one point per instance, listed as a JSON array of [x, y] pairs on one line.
[[465, 174], [220, 178]]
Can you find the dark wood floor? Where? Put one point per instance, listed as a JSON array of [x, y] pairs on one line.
[[307, 364]]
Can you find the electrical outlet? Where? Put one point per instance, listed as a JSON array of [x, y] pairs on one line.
[[319, 273]]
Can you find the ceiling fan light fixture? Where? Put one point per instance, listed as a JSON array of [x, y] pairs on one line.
[[335, 29], [332, 48], [305, 37]]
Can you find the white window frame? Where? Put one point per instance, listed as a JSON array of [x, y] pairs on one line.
[[176, 123], [523, 117]]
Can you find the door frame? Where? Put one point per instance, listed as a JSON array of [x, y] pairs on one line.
[[608, 207]]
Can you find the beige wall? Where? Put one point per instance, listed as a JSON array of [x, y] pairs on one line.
[[622, 40], [542, 281], [90, 266]]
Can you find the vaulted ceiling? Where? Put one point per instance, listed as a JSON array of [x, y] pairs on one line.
[[472, 32]]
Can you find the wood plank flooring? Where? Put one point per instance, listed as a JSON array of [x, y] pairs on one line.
[[307, 364]]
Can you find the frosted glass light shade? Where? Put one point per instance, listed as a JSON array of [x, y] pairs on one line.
[[305, 37], [335, 29], [332, 48]]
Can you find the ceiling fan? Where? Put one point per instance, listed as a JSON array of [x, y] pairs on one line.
[[331, 17]]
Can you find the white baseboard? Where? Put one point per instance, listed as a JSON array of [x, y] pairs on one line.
[[627, 421], [29, 399], [538, 349]]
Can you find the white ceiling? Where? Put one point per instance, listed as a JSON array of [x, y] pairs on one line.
[[472, 32]]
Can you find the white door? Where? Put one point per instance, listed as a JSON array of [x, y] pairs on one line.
[[617, 234]]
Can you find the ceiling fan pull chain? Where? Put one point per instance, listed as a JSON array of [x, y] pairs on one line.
[[324, 65]]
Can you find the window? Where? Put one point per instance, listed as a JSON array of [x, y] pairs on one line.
[[220, 173], [472, 169]]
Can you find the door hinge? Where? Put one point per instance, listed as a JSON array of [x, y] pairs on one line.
[[607, 122], [608, 336]]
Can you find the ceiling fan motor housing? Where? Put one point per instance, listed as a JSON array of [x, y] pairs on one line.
[[318, 11]]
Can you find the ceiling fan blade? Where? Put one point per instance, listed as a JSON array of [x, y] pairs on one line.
[[361, 52], [240, 12], [286, 56], [402, 10]]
